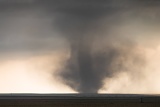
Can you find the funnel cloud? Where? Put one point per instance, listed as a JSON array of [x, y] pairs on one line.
[[97, 52]]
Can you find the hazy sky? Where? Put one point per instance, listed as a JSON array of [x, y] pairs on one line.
[[79, 46]]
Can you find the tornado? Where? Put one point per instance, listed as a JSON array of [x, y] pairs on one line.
[[97, 51], [86, 68]]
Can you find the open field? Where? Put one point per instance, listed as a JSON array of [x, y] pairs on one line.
[[79, 100]]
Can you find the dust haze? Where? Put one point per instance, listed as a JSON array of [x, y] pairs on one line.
[[78, 46]]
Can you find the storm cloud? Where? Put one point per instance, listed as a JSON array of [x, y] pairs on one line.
[[102, 37]]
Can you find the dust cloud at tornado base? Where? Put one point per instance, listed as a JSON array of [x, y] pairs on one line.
[[104, 46]]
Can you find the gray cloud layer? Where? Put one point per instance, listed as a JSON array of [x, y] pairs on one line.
[[89, 28]]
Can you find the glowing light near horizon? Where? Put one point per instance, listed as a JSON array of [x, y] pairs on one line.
[[148, 84], [34, 75], [27, 75]]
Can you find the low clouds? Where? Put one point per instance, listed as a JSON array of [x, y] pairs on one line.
[[101, 39]]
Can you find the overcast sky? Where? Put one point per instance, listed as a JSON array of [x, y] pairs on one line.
[[84, 46]]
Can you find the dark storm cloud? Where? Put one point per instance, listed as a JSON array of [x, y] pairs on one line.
[[89, 27], [26, 28]]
